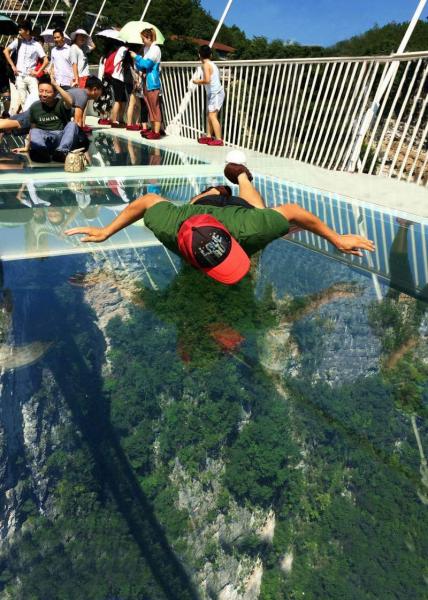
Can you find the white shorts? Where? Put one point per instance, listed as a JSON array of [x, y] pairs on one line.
[[215, 102]]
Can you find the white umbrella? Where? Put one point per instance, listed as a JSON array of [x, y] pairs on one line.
[[131, 32], [89, 41], [47, 36], [112, 34]]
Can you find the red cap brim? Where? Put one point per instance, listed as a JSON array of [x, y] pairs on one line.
[[233, 268]]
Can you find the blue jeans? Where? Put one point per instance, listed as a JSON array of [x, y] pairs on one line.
[[64, 140]]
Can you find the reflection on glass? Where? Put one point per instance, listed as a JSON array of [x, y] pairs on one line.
[[177, 438], [105, 150]]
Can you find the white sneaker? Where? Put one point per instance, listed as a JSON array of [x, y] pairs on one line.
[[237, 157]]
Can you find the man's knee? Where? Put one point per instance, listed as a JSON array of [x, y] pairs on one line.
[[71, 127]]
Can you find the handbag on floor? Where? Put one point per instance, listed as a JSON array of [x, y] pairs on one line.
[[75, 161]]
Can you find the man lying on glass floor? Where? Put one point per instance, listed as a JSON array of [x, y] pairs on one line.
[[217, 232]]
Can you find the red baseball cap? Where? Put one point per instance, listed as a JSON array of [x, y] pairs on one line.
[[207, 245]]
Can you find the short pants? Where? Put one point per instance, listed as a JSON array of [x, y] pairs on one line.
[[215, 102]]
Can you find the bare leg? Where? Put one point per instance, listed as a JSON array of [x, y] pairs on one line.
[[115, 111], [215, 124], [156, 126], [248, 192], [121, 111], [209, 128], [131, 109]]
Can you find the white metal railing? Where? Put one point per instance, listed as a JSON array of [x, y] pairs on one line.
[[313, 109]]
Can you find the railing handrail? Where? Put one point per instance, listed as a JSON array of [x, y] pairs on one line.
[[311, 60]]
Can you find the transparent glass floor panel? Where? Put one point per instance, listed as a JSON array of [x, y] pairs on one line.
[[105, 150], [162, 434], [34, 215]]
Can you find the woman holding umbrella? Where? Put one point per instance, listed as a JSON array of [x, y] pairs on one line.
[[150, 63], [82, 45]]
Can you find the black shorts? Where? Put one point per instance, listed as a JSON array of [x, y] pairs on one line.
[[119, 90], [223, 201]]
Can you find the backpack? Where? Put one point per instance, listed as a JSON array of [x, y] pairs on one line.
[[109, 64]]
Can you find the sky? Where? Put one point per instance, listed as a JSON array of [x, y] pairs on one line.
[[312, 22]]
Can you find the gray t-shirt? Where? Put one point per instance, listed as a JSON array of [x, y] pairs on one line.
[[80, 97], [78, 57]]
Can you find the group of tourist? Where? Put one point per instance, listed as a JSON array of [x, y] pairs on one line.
[[52, 92]]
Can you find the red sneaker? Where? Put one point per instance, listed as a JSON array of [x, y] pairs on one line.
[[214, 142], [204, 139], [117, 125], [133, 127], [153, 136], [145, 132], [86, 129], [104, 122]]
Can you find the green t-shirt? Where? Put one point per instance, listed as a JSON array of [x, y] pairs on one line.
[[50, 118], [253, 228]]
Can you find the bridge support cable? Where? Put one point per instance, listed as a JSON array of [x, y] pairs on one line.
[[174, 128], [387, 77]]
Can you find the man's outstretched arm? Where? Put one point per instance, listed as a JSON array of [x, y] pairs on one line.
[[133, 212], [348, 243]]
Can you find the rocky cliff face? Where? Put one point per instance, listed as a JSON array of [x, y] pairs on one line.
[[220, 572], [30, 426]]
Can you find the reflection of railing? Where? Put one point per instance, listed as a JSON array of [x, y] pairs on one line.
[[338, 212], [344, 217], [312, 110]]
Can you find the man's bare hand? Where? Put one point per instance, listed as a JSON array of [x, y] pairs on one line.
[[92, 234], [20, 150], [354, 244]]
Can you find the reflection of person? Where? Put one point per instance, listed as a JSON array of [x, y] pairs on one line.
[[28, 52], [399, 265], [220, 322], [13, 161], [150, 63], [215, 97], [47, 224], [218, 240]]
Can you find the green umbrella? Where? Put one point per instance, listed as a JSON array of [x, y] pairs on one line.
[[131, 32], [7, 26]]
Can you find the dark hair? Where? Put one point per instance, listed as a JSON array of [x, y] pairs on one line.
[[60, 31], [149, 33], [45, 79], [205, 51], [93, 82], [26, 25]]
